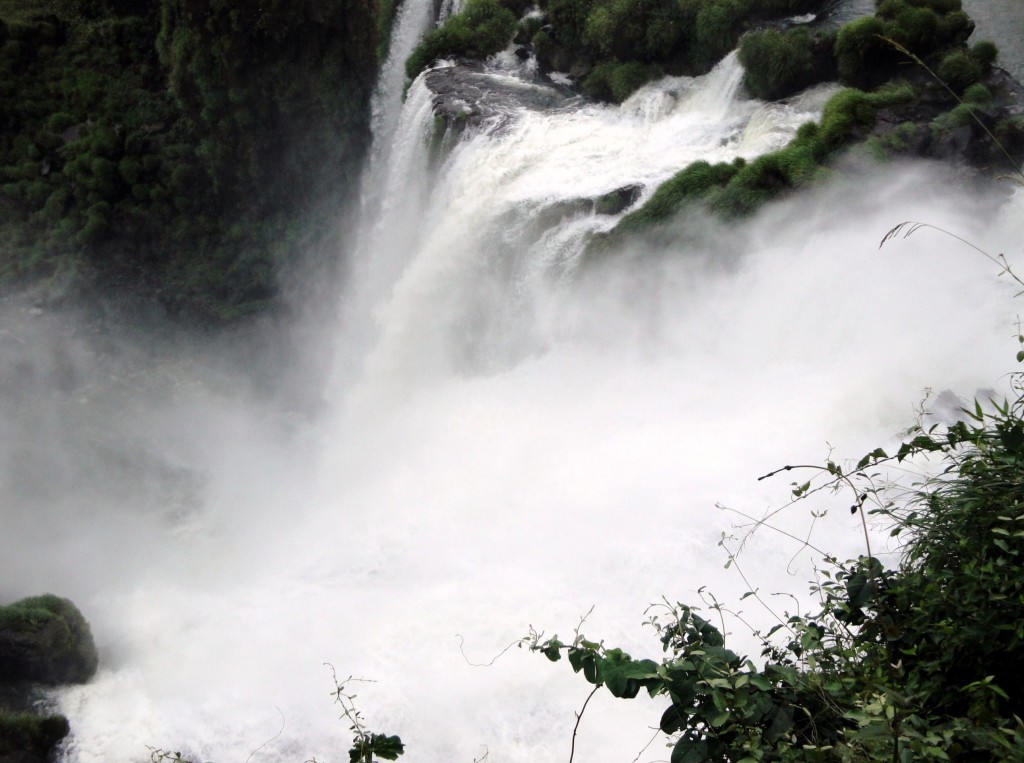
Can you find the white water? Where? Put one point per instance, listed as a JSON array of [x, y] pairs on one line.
[[511, 438]]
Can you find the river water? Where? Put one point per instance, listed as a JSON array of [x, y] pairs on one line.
[[512, 436], [1001, 21]]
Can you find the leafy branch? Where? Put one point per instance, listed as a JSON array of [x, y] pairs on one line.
[[365, 744]]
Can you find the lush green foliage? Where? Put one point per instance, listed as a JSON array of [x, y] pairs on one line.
[[864, 56], [985, 53], [920, 662], [483, 28], [959, 70], [28, 736], [691, 185], [737, 189], [615, 82], [45, 639], [621, 44], [866, 51], [189, 148], [780, 63]]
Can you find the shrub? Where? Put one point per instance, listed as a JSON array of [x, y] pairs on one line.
[[483, 28], [718, 26], [568, 19], [613, 81], [847, 111], [859, 50], [780, 63], [917, 663], [986, 54], [958, 70], [634, 30], [766, 178], [977, 94], [693, 184]]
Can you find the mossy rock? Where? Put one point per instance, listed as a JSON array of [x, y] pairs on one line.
[[29, 738], [46, 640]]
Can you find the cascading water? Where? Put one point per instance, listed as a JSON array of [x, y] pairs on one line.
[[515, 433]]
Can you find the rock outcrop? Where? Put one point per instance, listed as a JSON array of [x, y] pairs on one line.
[[44, 641]]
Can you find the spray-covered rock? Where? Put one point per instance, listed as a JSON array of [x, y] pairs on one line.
[[46, 640]]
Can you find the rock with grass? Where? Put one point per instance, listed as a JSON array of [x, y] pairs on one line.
[[45, 640]]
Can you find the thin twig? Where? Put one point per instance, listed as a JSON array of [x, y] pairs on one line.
[[280, 731], [579, 717], [462, 641], [644, 748], [763, 523], [750, 587], [576, 633]]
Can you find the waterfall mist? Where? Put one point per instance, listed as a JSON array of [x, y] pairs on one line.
[[512, 436]]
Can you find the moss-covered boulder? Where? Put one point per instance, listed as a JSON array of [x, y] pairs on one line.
[[28, 738], [45, 640]]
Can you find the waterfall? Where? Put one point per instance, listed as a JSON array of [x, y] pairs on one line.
[[516, 431], [414, 17]]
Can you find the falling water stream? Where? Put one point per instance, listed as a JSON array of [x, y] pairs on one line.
[[515, 433]]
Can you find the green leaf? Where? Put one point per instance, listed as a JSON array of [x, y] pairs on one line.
[[760, 682], [387, 747], [687, 751], [673, 719], [552, 650], [624, 676], [720, 719]]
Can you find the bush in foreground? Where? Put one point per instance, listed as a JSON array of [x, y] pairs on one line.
[[917, 663]]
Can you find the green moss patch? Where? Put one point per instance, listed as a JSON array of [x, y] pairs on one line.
[[45, 639], [483, 28]]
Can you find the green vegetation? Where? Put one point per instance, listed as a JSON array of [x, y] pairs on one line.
[[927, 28], [24, 736], [959, 70], [191, 151], [780, 63], [483, 28], [740, 188], [916, 663], [45, 639], [598, 38], [866, 54], [615, 46], [615, 82]]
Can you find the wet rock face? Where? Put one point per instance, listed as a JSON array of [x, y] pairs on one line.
[[45, 640], [28, 738], [468, 97], [962, 139]]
